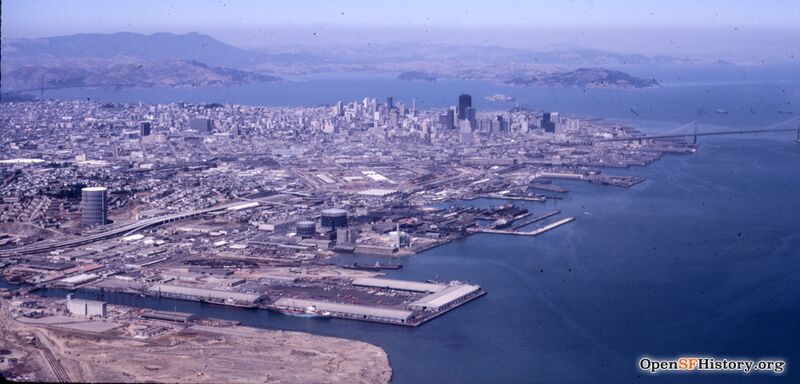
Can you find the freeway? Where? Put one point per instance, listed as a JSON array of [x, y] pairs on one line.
[[113, 232]]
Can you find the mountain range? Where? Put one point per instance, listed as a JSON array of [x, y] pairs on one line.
[[193, 59]]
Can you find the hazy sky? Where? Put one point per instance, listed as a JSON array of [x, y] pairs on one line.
[[671, 27]]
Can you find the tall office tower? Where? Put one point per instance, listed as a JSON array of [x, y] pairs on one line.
[[94, 206], [339, 108], [470, 112], [389, 102], [464, 102], [547, 124], [502, 124], [413, 107], [200, 124], [556, 122], [448, 120], [144, 129]]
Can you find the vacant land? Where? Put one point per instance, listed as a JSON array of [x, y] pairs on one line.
[[194, 355]]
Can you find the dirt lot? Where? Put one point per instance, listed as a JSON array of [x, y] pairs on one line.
[[196, 355]]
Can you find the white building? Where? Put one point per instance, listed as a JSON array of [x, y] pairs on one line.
[[89, 308]]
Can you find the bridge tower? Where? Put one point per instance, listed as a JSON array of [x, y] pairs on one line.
[[695, 134]]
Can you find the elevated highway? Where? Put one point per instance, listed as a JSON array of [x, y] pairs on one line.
[[110, 233]]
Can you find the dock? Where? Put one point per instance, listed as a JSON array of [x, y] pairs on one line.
[[548, 187], [535, 232], [536, 219], [522, 198]]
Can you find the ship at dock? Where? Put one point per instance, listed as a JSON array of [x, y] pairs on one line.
[[373, 267], [309, 312]]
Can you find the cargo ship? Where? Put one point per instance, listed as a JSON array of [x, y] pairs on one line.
[[374, 267], [309, 312]]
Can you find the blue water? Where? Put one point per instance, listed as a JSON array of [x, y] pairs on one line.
[[703, 258], [747, 104]]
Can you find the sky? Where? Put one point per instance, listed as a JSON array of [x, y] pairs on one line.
[[650, 27]]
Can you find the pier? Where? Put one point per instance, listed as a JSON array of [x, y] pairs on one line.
[[535, 232], [536, 219]]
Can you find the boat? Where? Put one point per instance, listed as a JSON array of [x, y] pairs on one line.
[[785, 112], [721, 111], [501, 223], [309, 312], [374, 267]]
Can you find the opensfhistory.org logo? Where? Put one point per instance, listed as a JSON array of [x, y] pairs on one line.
[[711, 364]]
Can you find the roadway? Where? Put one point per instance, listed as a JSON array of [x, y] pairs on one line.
[[114, 232]]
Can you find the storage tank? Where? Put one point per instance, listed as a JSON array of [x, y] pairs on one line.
[[94, 206], [306, 228], [334, 218]]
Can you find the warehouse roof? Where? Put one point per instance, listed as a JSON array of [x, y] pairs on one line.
[[404, 285], [445, 296], [202, 292], [362, 310]]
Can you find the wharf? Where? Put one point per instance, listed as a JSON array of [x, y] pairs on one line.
[[536, 219], [548, 187], [535, 232]]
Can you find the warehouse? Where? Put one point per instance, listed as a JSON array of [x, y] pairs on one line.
[[77, 280], [446, 298], [403, 285], [176, 317], [349, 311], [207, 295]]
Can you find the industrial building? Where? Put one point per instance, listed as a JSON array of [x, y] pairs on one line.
[[334, 218], [75, 281], [80, 307], [403, 285], [238, 299], [306, 228], [94, 206], [177, 317], [446, 298], [350, 311]]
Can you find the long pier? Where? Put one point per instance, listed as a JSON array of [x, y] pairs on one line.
[[535, 232], [536, 219]]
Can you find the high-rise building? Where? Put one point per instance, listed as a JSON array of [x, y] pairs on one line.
[[470, 112], [448, 119], [464, 102], [94, 206], [200, 124], [144, 129], [389, 102], [339, 108], [547, 124]]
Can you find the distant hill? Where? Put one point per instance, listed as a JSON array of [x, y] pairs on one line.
[[585, 77], [158, 46], [139, 74], [194, 59]]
